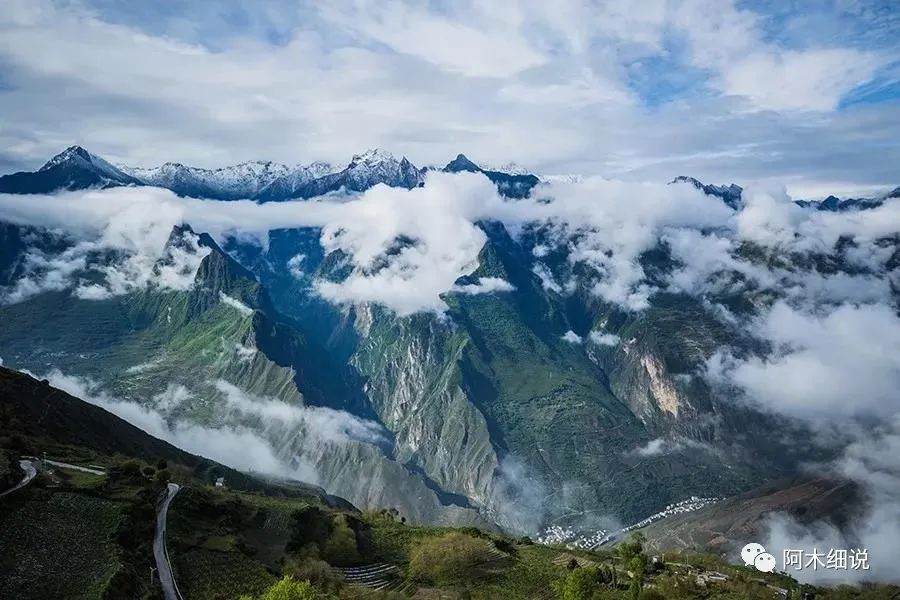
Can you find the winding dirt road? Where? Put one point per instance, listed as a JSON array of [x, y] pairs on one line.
[[30, 473], [160, 553]]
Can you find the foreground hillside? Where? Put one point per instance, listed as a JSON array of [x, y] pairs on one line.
[[71, 533]]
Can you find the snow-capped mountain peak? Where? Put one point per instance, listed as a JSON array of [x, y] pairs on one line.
[[77, 156], [70, 153], [79, 159], [372, 157]]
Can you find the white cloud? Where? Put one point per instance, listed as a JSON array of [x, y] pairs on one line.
[[798, 80], [654, 447], [546, 277], [295, 265], [845, 363], [253, 433], [405, 248], [235, 304], [485, 285], [572, 337], [236, 446], [244, 353], [604, 339], [486, 47], [464, 77], [871, 463], [313, 422]]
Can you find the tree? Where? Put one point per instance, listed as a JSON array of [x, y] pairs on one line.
[[631, 547], [317, 572], [340, 546], [636, 566], [163, 476], [162, 464], [130, 468], [579, 584], [148, 471], [289, 588]]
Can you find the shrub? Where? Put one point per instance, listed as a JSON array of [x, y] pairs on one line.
[[317, 572], [130, 468], [631, 547], [163, 476], [162, 464], [289, 588], [579, 584], [148, 471], [447, 559], [340, 547]]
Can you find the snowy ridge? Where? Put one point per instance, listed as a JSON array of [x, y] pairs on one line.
[[242, 180], [380, 166], [562, 178], [79, 157], [509, 168]]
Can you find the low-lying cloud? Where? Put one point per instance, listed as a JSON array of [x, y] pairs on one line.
[[870, 462], [406, 248], [251, 433], [844, 363]]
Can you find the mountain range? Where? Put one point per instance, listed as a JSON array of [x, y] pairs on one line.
[[264, 181], [546, 403]]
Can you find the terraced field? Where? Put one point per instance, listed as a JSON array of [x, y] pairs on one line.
[[378, 576], [37, 537], [213, 575]]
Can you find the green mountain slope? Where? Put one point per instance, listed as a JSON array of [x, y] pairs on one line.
[[186, 353]]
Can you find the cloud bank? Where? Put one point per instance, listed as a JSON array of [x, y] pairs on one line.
[[628, 89], [264, 435]]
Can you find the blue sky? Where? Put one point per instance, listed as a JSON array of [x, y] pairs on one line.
[[800, 94]]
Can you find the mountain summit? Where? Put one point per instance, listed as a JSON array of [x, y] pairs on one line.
[[730, 194], [461, 163], [72, 169]]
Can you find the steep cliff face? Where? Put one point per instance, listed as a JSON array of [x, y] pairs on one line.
[[491, 397], [411, 369]]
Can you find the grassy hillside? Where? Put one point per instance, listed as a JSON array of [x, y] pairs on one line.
[[72, 534]]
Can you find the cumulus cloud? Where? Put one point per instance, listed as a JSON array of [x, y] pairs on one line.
[[844, 363], [113, 248], [572, 338], [662, 446], [518, 501], [295, 265], [604, 339], [405, 248]]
